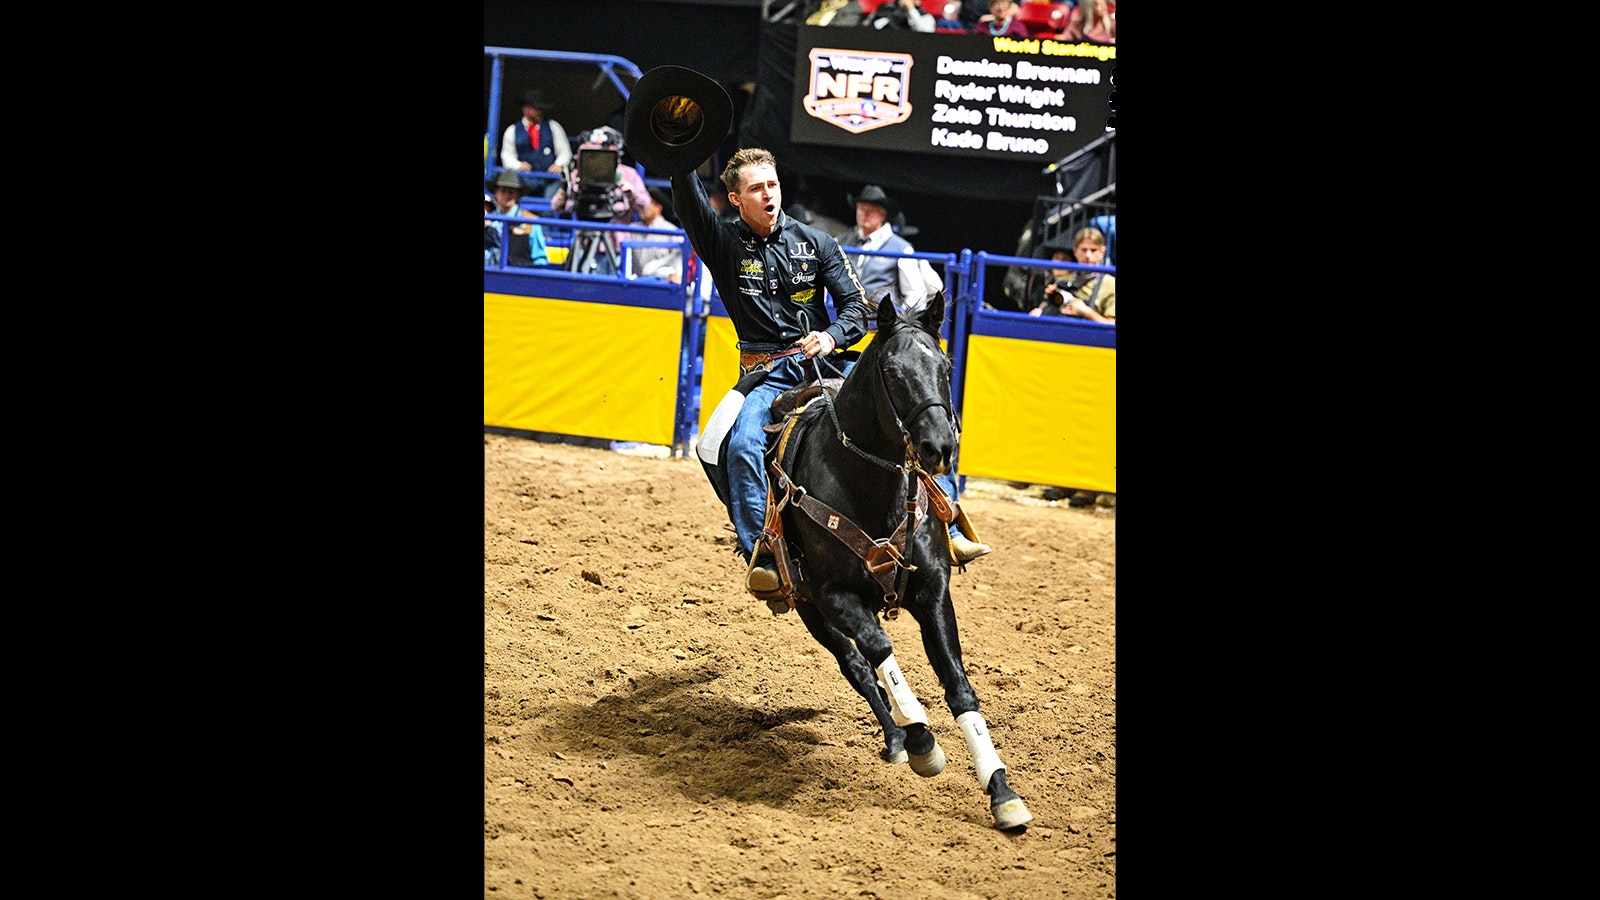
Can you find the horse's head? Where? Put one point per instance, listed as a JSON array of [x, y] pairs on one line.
[[916, 378]]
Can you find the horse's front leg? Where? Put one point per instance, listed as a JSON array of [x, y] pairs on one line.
[[936, 618], [859, 673], [850, 615]]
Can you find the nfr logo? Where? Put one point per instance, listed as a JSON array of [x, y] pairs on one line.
[[858, 90]]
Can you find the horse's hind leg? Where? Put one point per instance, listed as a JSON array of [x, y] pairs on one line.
[[861, 676]]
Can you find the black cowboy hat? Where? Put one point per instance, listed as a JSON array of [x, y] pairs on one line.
[[506, 178], [675, 118], [534, 97], [874, 194]]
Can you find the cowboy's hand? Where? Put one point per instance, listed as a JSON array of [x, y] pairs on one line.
[[816, 343]]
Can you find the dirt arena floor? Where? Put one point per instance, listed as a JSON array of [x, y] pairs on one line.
[[652, 731]]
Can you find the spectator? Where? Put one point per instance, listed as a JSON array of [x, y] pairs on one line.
[[491, 234], [835, 12], [1073, 292], [526, 246], [618, 201], [1002, 21], [778, 316], [963, 14], [1092, 20], [878, 274], [537, 143], [901, 15], [667, 262], [1047, 287]]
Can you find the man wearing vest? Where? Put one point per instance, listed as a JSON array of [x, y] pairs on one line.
[[908, 289], [536, 143], [873, 231]]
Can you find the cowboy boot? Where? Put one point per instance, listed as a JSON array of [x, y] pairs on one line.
[[962, 548], [761, 579]]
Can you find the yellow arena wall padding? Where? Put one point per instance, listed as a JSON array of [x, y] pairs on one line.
[[1040, 412], [596, 369], [719, 369]]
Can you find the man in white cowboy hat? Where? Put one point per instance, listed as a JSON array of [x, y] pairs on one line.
[[537, 143]]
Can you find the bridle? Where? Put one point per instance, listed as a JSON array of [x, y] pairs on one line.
[[911, 463]]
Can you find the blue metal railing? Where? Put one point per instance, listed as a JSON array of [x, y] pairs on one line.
[[608, 67]]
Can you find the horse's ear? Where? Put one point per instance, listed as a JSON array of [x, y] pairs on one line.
[[931, 318], [887, 314]]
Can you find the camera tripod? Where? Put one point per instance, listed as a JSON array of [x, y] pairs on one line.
[[588, 249]]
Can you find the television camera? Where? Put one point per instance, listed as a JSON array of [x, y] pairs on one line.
[[597, 194]]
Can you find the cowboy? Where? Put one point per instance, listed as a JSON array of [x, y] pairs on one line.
[[526, 246], [537, 143], [902, 278]]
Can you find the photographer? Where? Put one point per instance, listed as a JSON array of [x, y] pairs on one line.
[[598, 188], [1071, 292]]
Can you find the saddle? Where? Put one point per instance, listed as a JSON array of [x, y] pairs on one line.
[[792, 401]]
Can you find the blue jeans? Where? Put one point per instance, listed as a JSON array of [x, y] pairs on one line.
[[747, 447], [949, 485]]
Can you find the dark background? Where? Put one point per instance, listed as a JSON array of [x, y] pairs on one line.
[[954, 203]]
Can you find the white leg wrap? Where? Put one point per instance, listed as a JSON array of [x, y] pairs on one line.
[[976, 732], [902, 703]]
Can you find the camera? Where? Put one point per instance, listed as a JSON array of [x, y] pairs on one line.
[[1069, 285], [597, 194]]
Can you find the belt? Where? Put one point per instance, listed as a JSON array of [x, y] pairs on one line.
[[750, 362]]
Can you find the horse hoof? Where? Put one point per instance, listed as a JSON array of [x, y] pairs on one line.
[[1011, 814], [896, 758], [928, 764]]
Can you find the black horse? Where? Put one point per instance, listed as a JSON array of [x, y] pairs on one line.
[[861, 527]]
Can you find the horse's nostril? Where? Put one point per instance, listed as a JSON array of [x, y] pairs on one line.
[[935, 455]]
